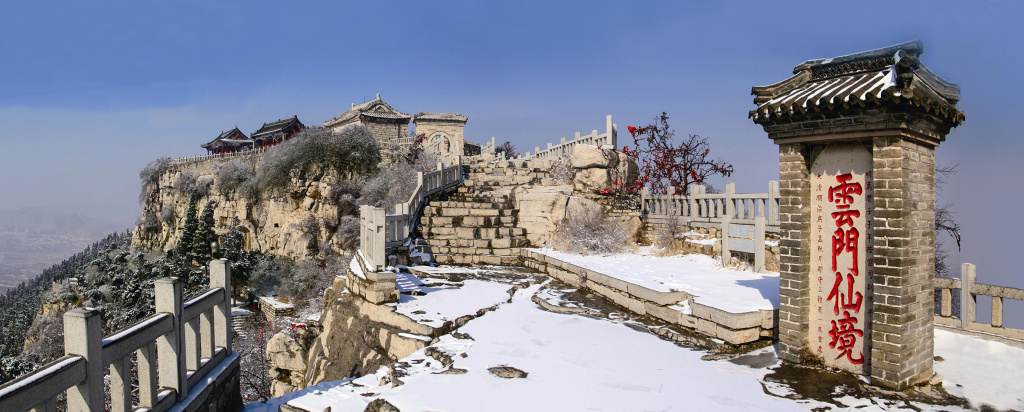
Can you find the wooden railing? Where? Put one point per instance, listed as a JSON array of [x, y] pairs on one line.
[[378, 231], [175, 350], [707, 210], [966, 320], [607, 139]]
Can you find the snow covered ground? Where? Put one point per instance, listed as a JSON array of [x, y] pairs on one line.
[[734, 291], [436, 301], [591, 364]]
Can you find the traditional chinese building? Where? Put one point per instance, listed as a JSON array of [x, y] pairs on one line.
[[857, 136], [274, 133], [442, 134], [228, 142], [384, 122]]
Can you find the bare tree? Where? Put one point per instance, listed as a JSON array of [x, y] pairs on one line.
[[944, 223], [508, 148], [664, 164]]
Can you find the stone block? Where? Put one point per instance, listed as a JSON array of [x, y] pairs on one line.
[[662, 312], [706, 327], [730, 320], [738, 337], [661, 298], [636, 306], [603, 279]]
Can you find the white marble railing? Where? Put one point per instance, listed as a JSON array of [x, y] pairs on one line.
[[966, 320], [607, 139], [175, 351], [378, 231], [707, 210]]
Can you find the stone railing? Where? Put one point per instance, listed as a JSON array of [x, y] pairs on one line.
[[183, 356], [965, 321], [378, 231], [217, 156], [564, 148], [708, 210]]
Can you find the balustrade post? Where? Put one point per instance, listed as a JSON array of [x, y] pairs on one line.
[[946, 308], [967, 299], [696, 192], [997, 311], [645, 193], [759, 265], [726, 252], [610, 129], [121, 385], [192, 344], [220, 277], [773, 202], [146, 365], [83, 336], [730, 190], [170, 347], [205, 342]]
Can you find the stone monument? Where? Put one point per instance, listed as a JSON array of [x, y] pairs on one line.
[[857, 137]]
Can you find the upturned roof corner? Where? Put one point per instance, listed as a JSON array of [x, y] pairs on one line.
[[891, 76]]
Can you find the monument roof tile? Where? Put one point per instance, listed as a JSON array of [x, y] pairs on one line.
[[887, 76]]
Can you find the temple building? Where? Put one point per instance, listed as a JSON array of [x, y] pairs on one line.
[[272, 134], [384, 122], [228, 142], [442, 134]]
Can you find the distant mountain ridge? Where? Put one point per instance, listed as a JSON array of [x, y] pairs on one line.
[[34, 238]]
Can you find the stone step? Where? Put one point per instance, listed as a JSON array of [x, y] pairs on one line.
[[471, 221], [503, 243], [445, 259], [480, 197], [472, 233], [485, 191], [436, 211], [444, 250], [470, 204]]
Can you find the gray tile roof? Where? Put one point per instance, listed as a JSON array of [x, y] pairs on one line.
[[375, 108], [891, 75]]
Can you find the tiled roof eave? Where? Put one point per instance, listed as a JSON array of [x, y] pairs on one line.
[[945, 111]]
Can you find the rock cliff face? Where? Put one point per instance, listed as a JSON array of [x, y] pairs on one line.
[[295, 222]]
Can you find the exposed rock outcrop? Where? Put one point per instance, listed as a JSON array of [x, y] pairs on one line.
[[271, 224]]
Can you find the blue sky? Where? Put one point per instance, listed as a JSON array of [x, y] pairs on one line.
[[91, 92]]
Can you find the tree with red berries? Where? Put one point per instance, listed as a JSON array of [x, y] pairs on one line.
[[663, 164]]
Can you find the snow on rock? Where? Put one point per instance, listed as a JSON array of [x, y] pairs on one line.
[[574, 363], [731, 290], [434, 305], [582, 363]]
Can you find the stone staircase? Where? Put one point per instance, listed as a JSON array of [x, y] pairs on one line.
[[478, 223]]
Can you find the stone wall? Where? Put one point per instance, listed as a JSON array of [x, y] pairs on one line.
[[904, 261], [794, 249]]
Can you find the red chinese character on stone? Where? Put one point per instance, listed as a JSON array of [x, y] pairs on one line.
[[844, 337], [842, 194], [845, 241], [846, 301], [845, 217]]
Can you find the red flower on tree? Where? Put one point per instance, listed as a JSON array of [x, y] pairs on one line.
[[663, 164]]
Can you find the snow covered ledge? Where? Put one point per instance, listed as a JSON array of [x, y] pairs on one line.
[[735, 306], [375, 287]]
